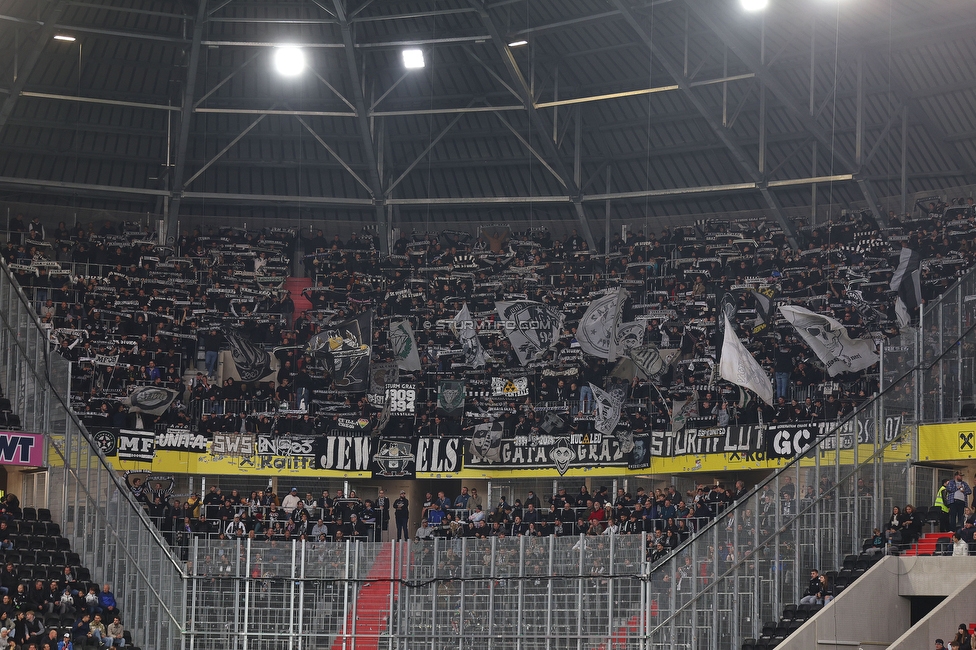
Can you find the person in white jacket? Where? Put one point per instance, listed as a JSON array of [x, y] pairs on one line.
[[959, 547]]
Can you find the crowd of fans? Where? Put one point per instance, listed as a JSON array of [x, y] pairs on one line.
[[128, 311], [44, 603]]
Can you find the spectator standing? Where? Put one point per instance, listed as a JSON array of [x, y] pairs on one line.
[[290, 502], [401, 509], [957, 493], [942, 503], [382, 513]]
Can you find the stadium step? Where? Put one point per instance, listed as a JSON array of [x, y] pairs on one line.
[[368, 620], [295, 286], [619, 639], [927, 544]]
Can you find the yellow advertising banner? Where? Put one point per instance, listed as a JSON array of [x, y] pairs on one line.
[[956, 441]]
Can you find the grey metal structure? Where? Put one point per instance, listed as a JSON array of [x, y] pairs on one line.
[[627, 109]]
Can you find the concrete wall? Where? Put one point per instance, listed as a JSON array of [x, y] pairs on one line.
[[940, 623], [875, 611]]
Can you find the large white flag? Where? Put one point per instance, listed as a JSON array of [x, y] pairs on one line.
[[598, 329], [829, 341], [739, 367], [608, 404], [532, 328], [464, 329], [404, 346]]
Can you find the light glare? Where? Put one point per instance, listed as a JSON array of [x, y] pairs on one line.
[[62, 37], [413, 59], [754, 5], [519, 43], [289, 60]]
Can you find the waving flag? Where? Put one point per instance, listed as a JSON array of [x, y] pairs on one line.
[[739, 367], [404, 346], [829, 341], [464, 329], [532, 328]]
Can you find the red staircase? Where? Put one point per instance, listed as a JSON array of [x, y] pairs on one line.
[[295, 287], [619, 638], [367, 620], [926, 544]]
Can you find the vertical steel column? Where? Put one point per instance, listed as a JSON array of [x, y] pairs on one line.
[[813, 66], [521, 594], [191, 625], [549, 594], [462, 594], [345, 598], [606, 234], [579, 592], [394, 570], [247, 594], [291, 597], [904, 160], [859, 120], [813, 186], [491, 588], [610, 583]]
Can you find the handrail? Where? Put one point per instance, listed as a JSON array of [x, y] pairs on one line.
[[743, 503], [127, 494]]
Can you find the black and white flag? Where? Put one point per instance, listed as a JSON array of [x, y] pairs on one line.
[[464, 328], [486, 442], [515, 387], [532, 328], [346, 348], [651, 362], [608, 404], [597, 330], [251, 363], [136, 445], [404, 346], [682, 410], [741, 368], [828, 339], [906, 281], [765, 308], [153, 400]]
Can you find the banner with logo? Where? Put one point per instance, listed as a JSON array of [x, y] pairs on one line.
[[515, 387], [287, 445], [344, 453], [232, 444], [450, 398], [401, 399], [136, 445], [180, 439], [545, 451], [394, 459], [19, 448]]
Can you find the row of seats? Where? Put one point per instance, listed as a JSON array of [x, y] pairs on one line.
[[795, 615], [34, 528], [59, 557]]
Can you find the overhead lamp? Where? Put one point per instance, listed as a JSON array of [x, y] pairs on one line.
[[754, 5], [65, 37], [413, 59], [289, 60], [518, 43]]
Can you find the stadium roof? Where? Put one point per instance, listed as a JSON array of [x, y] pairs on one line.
[[661, 106]]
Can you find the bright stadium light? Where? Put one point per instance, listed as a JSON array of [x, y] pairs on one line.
[[754, 5], [518, 43], [289, 60], [413, 59], [65, 38]]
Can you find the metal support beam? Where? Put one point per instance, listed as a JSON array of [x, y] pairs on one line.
[[362, 119], [538, 124], [334, 153], [220, 154], [740, 156], [186, 114], [423, 154], [904, 161], [41, 40], [713, 20]]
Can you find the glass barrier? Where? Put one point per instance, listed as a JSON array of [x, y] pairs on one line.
[[103, 523]]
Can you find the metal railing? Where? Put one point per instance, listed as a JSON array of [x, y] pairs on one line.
[[104, 524]]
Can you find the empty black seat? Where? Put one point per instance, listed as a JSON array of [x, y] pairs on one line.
[[862, 563], [850, 561], [44, 514], [747, 644], [30, 514], [789, 612], [768, 629]]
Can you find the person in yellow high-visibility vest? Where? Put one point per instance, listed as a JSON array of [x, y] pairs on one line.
[[940, 503]]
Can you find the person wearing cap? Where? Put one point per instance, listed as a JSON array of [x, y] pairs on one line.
[[401, 511], [424, 532], [65, 643], [939, 644], [290, 501], [235, 527]]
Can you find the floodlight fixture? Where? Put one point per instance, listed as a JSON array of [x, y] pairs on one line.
[[754, 5], [413, 59], [289, 60], [518, 43], [65, 38]]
